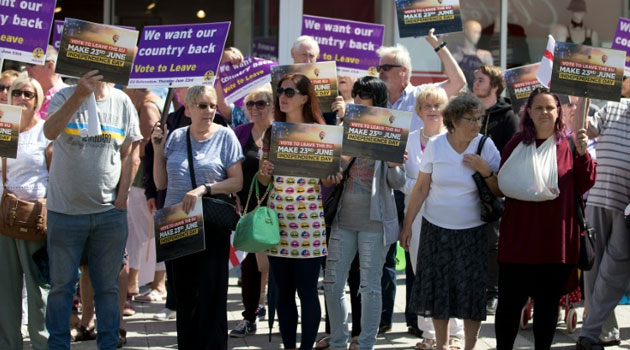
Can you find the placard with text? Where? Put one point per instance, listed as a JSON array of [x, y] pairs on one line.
[[622, 40], [375, 133], [10, 117], [25, 29], [587, 71], [312, 150], [178, 234], [417, 17], [179, 55], [87, 46], [352, 45], [237, 80], [323, 76]]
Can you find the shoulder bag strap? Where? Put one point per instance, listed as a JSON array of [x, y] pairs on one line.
[[346, 173], [481, 143], [579, 205], [191, 164], [4, 172]]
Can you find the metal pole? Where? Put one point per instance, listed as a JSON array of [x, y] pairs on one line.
[[503, 34]]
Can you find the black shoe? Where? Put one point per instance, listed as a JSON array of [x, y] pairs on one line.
[[122, 338], [584, 343], [414, 330], [384, 329], [614, 342], [491, 306]]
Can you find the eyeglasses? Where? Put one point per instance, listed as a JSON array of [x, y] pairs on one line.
[[478, 120], [364, 95], [387, 67], [260, 104], [27, 95], [203, 106], [289, 92], [4, 88]]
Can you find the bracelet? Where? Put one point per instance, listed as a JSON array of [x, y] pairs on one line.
[[208, 189], [489, 176], [440, 46]]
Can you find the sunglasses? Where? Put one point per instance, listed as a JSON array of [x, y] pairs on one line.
[[364, 95], [289, 92], [387, 67], [27, 95], [260, 104], [203, 106], [4, 88]]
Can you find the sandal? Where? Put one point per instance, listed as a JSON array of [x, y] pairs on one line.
[[81, 333], [455, 343], [322, 343], [152, 296], [426, 344], [354, 345]]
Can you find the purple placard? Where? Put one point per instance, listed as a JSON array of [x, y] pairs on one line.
[[25, 29], [622, 40], [265, 48], [56, 36], [238, 80], [179, 55], [351, 44]]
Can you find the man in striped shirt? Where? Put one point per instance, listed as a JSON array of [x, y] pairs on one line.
[[606, 283]]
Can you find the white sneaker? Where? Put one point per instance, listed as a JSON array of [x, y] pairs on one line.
[[165, 314]]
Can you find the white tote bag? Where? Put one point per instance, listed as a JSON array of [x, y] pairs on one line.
[[531, 174]]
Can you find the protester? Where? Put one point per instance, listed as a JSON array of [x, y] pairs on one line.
[[200, 278], [89, 181], [234, 115], [539, 239], [155, 198], [370, 185], [259, 104], [295, 102], [27, 179], [6, 78], [452, 261], [49, 80], [606, 282]]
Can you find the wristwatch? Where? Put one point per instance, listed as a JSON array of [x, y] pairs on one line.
[[208, 189]]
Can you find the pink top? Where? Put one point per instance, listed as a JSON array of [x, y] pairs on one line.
[[43, 111]]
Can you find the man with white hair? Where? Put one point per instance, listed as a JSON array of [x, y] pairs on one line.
[[305, 50], [395, 70], [49, 80]]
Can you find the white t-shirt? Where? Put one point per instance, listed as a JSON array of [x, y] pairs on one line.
[[453, 200], [27, 175]]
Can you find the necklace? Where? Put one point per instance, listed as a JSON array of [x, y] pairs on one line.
[[423, 134]]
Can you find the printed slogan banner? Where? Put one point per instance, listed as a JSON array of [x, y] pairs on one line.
[[238, 80], [179, 55], [25, 29], [351, 44], [587, 71], [56, 34], [86, 46], [417, 17], [178, 234], [323, 76], [375, 133], [622, 40], [10, 117], [520, 82], [265, 48], [312, 150]]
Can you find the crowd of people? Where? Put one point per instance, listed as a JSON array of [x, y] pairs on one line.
[[101, 191]]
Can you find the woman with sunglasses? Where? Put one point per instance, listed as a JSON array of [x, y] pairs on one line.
[[539, 239], [452, 261], [260, 109], [6, 78], [200, 278], [27, 178], [367, 223], [295, 263]]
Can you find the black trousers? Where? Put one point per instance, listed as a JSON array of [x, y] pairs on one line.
[[201, 284], [250, 287], [492, 286], [545, 283]]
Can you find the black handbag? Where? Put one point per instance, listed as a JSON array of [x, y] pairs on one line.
[[491, 206], [331, 203], [219, 210]]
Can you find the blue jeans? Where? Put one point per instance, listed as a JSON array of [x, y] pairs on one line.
[[341, 251], [103, 236]]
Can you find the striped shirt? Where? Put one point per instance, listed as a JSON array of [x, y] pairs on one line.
[[612, 188]]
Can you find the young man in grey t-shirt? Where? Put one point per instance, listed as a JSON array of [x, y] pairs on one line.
[[89, 182]]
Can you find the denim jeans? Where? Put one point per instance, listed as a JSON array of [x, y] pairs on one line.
[[341, 251], [103, 236]]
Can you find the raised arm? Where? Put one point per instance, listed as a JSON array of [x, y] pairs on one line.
[[456, 79]]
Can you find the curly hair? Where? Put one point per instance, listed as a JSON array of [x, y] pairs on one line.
[[460, 106]]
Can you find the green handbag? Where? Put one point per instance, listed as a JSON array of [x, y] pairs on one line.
[[257, 230]]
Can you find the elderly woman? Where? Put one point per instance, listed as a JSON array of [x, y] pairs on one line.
[[539, 240], [201, 278], [452, 262], [259, 104], [358, 227], [6, 78], [429, 104], [292, 269], [26, 178]]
